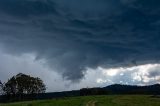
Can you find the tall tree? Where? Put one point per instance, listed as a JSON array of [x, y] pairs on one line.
[[1, 88], [24, 84]]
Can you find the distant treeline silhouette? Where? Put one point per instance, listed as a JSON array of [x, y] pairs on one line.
[[133, 89], [109, 90], [122, 89]]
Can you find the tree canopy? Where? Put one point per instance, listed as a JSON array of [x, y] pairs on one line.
[[24, 84], [1, 88]]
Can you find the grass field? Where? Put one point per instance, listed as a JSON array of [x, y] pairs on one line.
[[124, 100]]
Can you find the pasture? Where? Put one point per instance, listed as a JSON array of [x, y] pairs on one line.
[[106, 100]]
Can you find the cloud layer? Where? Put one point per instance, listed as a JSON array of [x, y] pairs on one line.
[[137, 75], [71, 36]]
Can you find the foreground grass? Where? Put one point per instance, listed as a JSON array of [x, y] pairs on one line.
[[122, 100]]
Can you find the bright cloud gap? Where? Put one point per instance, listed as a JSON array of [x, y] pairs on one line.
[[136, 75]]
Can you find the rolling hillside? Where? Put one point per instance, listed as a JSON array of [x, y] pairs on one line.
[[110, 100]]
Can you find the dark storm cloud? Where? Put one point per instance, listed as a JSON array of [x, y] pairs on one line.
[[73, 35]]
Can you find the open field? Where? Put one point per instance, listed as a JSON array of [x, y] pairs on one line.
[[121, 100]]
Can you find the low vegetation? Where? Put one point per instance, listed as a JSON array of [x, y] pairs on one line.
[[112, 100]]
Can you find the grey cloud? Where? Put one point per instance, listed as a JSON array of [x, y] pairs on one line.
[[11, 65], [73, 35], [23, 8], [154, 72]]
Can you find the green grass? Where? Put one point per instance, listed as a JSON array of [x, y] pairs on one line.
[[114, 100]]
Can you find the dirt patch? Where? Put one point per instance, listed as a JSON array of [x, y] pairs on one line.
[[91, 103]]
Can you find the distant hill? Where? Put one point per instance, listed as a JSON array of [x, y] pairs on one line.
[[116, 89], [133, 89]]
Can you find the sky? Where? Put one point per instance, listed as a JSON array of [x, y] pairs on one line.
[[71, 44]]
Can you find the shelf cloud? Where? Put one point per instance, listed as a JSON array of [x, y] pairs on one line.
[[71, 36]]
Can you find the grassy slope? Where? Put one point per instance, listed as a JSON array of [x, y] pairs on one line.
[[94, 101]]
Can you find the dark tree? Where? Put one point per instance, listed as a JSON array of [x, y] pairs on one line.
[[1, 88], [24, 84]]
